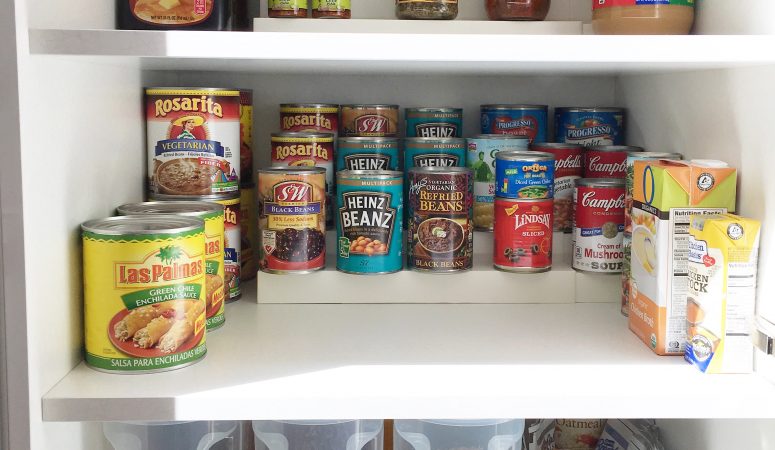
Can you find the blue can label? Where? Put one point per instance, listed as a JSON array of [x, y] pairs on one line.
[[524, 179], [367, 155], [528, 122], [589, 128], [369, 232], [434, 154], [434, 124]]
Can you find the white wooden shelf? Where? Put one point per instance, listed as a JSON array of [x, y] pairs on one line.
[[409, 361], [391, 46]]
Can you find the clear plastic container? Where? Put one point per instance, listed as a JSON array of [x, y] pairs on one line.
[[224, 435], [493, 434], [517, 9], [674, 18], [426, 9], [318, 435]]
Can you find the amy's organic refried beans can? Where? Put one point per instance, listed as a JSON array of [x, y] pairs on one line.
[[305, 117], [144, 293], [369, 120], [607, 161], [292, 219], [440, 219], [524, 174], [434, 122], [212, 215], [598, 225], [523, 234], [589, 126], [530, 121], [246, 135], [193, 140], [568, 167], [368, 153], [369, 221]]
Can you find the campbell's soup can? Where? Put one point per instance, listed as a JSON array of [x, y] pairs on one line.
[[434, 122], [524, 174], [369, 120], [309, 117], [630, 178], [568, 167], [598, 225], [368, 153], [589, 126], [519, 120], [523, 235], [246, 135], [607, 161]]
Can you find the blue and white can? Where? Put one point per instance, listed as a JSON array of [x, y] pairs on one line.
[[518, 120], [590, 126], [524, 175], [434, 122], [367, 153], [434, 152]]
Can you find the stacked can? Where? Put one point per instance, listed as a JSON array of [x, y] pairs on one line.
[[524, 211], [598, 225]]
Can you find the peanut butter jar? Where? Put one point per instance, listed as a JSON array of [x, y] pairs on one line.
[[642, 17]]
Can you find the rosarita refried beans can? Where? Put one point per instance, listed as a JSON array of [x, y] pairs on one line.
[[300, 117], [598, 226], [568, 167], [607, 161], [144, 293], [523, 235], [440, 219], [193, 140]]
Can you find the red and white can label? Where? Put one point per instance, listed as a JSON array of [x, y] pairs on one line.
[[598, 229], [523, 233], [599, 164]]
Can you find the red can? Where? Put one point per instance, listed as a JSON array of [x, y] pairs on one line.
[[523, 234], [607, 161], [310, 117], [598, 225], [568, 167]]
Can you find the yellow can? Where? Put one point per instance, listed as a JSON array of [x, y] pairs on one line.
[[144, 289], [249, 232]]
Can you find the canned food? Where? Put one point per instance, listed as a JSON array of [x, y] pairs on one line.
[[307, 149], [434, 122], [292, 219], [193, 140], [434, 152], [520, 120], [173, 15], [631, 158], [523, 235], [568, 168], [439, 207], [249, 231], [590, 126], [607, 161], [246, 135], [367, 153], [481, 159], [212, 215], [598, 225], [369, 226], [144, 293], [288, 8], [331, 9], [300, 117], [369, 120], [524, 174]]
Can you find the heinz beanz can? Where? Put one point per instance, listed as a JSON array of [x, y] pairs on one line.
[[524, 174], [434, 122], [481, 159], [434, 152], [523, 235], [589, 126], [144, 289], [369, 221], [367, 153], [598, 225], [519, 120]]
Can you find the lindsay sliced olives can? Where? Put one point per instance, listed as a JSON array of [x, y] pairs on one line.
[[367, 153], [144, 292], [524, 174], [369, 217], [523, 234], [434, 122]]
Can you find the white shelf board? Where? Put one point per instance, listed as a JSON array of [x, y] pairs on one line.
[[410, 361], [482, 284], [383, 49]]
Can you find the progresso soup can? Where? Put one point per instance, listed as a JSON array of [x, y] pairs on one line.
[[607, 161], [440, 219], [369, 221], [589, 126], [481, 159], [568, 167], [434, 152], [598, 225], [367, 153], [520, 120], [524, 174], [434, 122], [144, 293], [523, 234]]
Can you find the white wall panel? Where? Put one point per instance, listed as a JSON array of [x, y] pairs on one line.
[[735, 17], [718, 434]]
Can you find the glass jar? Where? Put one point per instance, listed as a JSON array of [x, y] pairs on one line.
[[331, 9], [517, 9], [288, 8], [426, 9], [674, 17]]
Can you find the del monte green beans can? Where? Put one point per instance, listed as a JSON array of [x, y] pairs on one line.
[[367, 153], [369, 217]]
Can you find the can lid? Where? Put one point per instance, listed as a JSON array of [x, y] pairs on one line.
[[654, 155], [615, 148], [600, 182], [554, 145], [442, 170], [201, 198], [709, 163], [370, 174], [589, 109], [303, 135], [516, 106], [499, 136], [436, 140], [376, 105], [178, 208], [434, 109], [365, 139], [175, 90], [524, 155], [309, 105], [296, 170], [148, 224]]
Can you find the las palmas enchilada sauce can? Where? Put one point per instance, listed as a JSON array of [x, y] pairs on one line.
[[144, 289]]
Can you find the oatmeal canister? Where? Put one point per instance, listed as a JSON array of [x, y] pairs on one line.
[[523, 235], [440, 219], [369, 120], [607, 161], [598, 226], [144, 293], [318, 117], [292, 219], [524, 174], [249, 231], [367, 153], [246, 135], [193, 140], [434, 152], [434, 122], [370, 217], [481, 159], [568, 167], [589, 126], [519, 120], [212, 215]]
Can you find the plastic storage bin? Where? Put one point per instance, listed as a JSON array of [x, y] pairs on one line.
[[225, 435], [318, 435], [495, 434]]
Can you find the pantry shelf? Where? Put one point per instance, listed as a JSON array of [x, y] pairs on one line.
[[408, 361], [395, 47]]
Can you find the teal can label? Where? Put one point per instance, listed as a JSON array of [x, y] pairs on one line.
[[367, 153], [432, 152], [434, 122], [370, 215]]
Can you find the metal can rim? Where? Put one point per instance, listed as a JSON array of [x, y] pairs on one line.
[[172, 90], [365, 106], [517, 106], [655, 155], [373, 139], [441, 170], [201, 198], [600, 182], [369, 174], [510, 137], [189, 208], [616, 148], [524, 155], [589, 109], [293, 170], [308, 105], [303, 134], [139, 225], [554, 145], [441, 109], [439, 140]]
